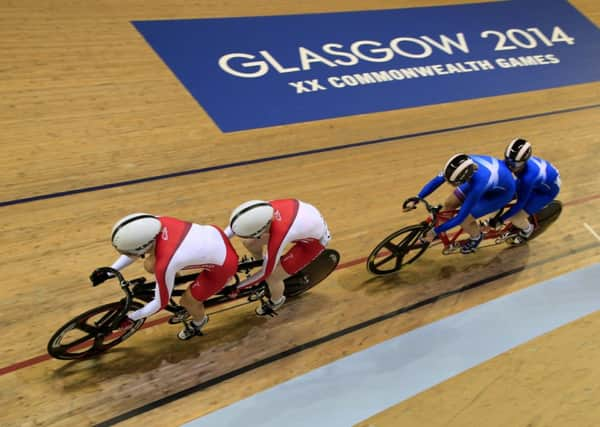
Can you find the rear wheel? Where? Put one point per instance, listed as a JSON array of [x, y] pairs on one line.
[[311, 275], [87, 334], [544, 218], [397, 250]]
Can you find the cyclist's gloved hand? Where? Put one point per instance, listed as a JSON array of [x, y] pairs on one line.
[[410, 203], [126, 324], [99, 276]]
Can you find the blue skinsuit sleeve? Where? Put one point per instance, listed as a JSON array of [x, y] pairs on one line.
[[475, 193], [524, 190], [431, 186]]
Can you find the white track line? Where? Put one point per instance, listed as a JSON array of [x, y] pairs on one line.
[[591, 230]]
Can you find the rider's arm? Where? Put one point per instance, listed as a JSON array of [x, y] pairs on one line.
[[272, 257], [256, 277], [149, 309], [431, 186], [524, 190], [122, 262], [522, 198], [165, 280], [471, 199], [99, 275]]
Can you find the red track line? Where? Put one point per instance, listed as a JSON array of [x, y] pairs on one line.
[[582, 200], [24, 364], [149, 324], [44, 357]]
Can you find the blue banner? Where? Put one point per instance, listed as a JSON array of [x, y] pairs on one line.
[[256, 72]]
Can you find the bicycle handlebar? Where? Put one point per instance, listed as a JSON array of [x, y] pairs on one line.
[[113, 324], [122, 281], [115, 273], [433, 210], [415, 200]]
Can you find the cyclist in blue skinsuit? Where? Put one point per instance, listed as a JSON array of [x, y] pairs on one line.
[[538, 183], [483, 184]]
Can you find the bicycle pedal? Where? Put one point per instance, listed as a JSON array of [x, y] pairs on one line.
[[189, 333], [516, 241], [266, 311], [255, 296], [451, 250], [506, 237], [179, 317]]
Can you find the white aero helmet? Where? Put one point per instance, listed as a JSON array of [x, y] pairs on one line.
[[251, 218], [133, 234]]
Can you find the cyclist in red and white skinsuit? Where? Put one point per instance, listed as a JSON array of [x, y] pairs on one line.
[[173, 245], [275, 225]]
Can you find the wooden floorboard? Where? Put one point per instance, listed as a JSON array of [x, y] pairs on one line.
[[86, 102]]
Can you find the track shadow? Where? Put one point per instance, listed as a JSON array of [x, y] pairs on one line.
[[442, 273], [240, 332]]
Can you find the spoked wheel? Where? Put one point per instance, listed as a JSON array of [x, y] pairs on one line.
[[87, 335], [312, 274], [396, 250]]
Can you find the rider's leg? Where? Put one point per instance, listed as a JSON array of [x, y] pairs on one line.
[[275, 279], [256, 246], [207, 283], [193, 306], [275, 282], [471, 226], [149, 262], [536, 202], [276, 289], [521, 221], [298, 257], [484, 206], [196, 310], [453, 201]]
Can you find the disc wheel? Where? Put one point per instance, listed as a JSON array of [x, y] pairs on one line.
[[546, 217], [86, 335], [312, 274]]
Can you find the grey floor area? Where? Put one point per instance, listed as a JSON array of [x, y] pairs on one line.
[[359, 386]]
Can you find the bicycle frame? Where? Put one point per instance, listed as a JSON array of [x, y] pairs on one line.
[[139, 289], [97, 330], [405, 245], [145, 292], [450, 239]]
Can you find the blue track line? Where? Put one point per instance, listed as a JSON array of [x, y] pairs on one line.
[[285, 156]]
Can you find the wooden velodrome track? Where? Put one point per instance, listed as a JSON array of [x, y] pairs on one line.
[[85, 102]]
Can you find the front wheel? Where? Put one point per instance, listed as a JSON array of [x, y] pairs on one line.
[[311, 275], [87, 334], [397, 250]]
